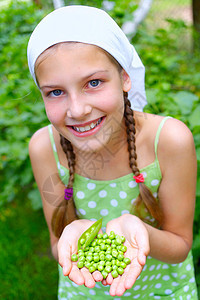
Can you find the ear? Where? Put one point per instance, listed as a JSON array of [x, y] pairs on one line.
[[126, 81]]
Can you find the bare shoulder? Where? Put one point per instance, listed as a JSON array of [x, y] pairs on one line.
[[174, 133], [176, 136], [40, 145]]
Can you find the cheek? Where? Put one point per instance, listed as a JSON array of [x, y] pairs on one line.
[[54, 112], [112, 101]]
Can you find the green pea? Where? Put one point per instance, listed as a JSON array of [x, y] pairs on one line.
[[113, 246], [123, 239], [89, 258], [81, 253], [123, 248], [74, 257], [114, 253], [82, 241], [80, 264], [108, 269], [123, 265], [100, 236], [118, 263], [105, 236], [92, 269], [127, 260], [102, 256], [103, 247], [104, 274], [102, 262], [100, 241], [108, 241], [108, 257], [108, 263], [87, 234], [113, 262], [81, 258], [96, 258], [114, 274], [95, 265], [100, 268], [120, 257], [111, 236], [89, 253], [87, 264], [91, 249], [97, 249], [94, 243], [120, 270], [112, 233], [118, 241], [115, 267]]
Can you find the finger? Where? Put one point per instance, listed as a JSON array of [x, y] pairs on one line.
[[132, 274], [121, 285], [88, 279], [104, 282], [97, 276], [114, 286], [64, 258], [142, 241], [76, 276], [109, 279]]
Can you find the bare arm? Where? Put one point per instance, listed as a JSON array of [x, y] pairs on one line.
[[176, 153], [46, 176]]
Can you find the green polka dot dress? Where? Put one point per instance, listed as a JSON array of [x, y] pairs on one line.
[[110, 199]]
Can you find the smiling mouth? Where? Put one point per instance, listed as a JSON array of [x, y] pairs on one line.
[[88, 127]]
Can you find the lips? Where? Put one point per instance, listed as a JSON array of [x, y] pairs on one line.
[[87, 128]]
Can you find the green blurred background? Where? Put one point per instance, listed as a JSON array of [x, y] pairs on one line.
[[169, 48]]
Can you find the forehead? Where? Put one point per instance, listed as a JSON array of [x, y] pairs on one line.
[[78, 48]]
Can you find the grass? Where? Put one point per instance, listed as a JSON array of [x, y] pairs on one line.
[[27, 268]]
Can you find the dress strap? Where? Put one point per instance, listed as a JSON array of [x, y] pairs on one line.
[[158, 133], [53, 144]]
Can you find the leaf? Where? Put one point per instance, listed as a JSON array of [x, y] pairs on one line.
[[185, 101], [35, 198], [194, 118]]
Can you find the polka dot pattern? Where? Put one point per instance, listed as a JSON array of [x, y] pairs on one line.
[[111, 199]]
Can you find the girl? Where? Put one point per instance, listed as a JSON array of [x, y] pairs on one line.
[[90, 76]]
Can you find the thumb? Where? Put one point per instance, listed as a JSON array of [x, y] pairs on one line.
[[64, 259], [142, 241]]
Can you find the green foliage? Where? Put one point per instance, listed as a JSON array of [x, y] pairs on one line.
[[21, 108], [27, 268], [172, 85]]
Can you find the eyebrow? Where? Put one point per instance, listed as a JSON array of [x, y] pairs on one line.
[[83, 78]]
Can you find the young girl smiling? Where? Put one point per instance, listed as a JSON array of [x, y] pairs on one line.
[[90, 76]]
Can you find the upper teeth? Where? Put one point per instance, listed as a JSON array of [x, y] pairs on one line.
[[87, 127]]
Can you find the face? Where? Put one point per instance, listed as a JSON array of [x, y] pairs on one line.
[[82, 89]]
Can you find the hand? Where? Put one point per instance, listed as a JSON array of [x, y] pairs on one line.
[[67, 245], [137, 243]]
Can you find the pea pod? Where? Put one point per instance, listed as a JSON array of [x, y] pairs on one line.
[[89, 234]]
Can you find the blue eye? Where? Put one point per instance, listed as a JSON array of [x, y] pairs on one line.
[[56, 93], [94, 83]]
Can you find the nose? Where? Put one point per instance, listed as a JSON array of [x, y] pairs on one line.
[[78, 107]]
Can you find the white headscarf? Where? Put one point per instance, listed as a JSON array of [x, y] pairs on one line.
[[91, 26]]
